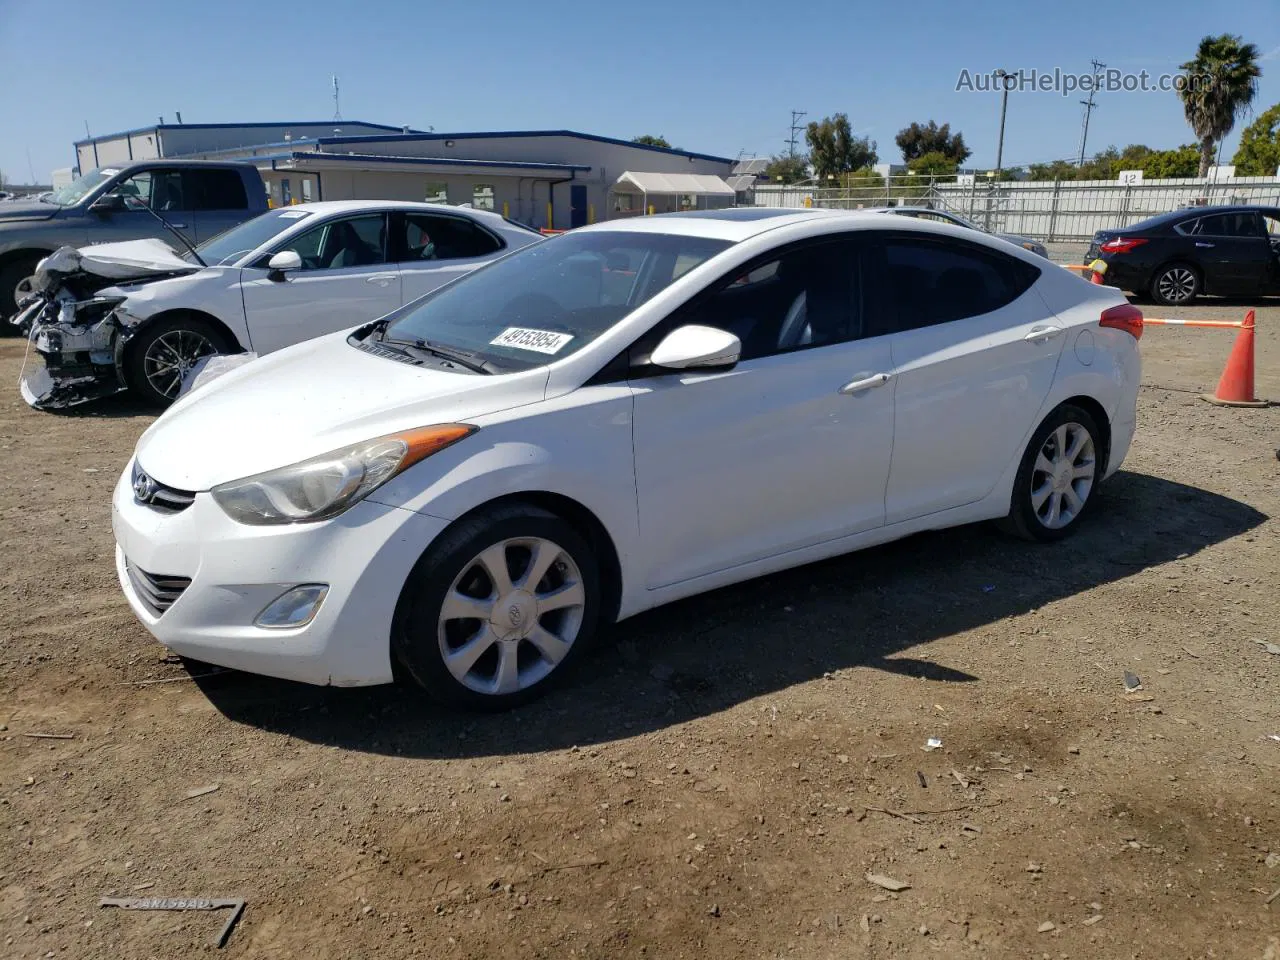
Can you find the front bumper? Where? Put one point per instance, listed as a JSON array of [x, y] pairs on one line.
[[236, 570]]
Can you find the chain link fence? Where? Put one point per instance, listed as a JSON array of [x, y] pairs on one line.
[[1048, 211]]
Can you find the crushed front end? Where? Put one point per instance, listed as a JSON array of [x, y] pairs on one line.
[[75, 331]]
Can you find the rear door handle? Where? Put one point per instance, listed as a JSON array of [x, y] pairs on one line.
[[1201, 243], [866, 383], [382, 279], [1042, 334], [178, 226]]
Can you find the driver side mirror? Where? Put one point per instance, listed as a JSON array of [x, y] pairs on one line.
[[283, 262], [108, 203], [695, 346]]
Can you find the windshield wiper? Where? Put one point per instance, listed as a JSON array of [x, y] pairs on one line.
[[462, 358]]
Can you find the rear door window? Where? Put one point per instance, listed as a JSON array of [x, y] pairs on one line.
[[432, 237], [215, 189], [1243, 224], [922, 282]]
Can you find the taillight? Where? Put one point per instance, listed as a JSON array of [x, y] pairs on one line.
[[1124, 317], [1121, 244]]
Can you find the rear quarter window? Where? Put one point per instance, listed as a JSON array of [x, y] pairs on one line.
[[930, 281]]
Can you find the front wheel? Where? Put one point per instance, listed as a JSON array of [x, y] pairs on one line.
[[1175, 285], [162, 354], [498, 609], [1058, 478]]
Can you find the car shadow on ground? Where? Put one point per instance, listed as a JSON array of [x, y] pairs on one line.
[[877, 609]]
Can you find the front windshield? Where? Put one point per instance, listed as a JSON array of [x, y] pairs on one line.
[[552, 298], [75, 191], [230, 245]]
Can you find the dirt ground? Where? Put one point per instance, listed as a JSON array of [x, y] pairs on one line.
[[723, 775]]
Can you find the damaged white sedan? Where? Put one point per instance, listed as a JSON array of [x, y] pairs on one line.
[[139, 316]]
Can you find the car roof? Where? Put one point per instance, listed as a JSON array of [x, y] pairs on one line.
[[733, 223], [742, 223], [326, 207]]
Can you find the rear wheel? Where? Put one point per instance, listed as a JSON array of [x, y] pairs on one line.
[[1175, 285], [498, 609], [1058, 478], [163, 353]]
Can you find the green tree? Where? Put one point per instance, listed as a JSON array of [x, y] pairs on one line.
[[1134, 156], [1181, 162], [1259, 151], [1057, 170], [649, 140], [935, 164], [1102, 166], [834, 150], [918, 140], [1218, 85], [784, 168]]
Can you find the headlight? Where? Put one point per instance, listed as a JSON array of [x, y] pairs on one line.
[[325, 486]]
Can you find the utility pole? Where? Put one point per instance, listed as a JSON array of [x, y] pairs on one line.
[[1088, 109], [1004, 107], [337, 108], [796, 116]]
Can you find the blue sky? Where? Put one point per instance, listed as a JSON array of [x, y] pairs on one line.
[[713, 77]]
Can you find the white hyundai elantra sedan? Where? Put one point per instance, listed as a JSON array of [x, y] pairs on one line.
[[472, 488]]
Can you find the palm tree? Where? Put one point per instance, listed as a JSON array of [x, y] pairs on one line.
[[1218, 86]]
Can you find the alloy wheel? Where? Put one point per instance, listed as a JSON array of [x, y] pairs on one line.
[[170, 357], [1063, 475], [1176, 285], [511, 616]]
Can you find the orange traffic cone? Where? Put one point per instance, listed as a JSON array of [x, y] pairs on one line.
[[1235, 389]]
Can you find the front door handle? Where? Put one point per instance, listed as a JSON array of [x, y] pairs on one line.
[[866, 383], [178, 226], [1042, 334], [382, 279], [1201, 243]]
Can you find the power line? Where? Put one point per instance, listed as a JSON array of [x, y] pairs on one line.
[[796, 115], [1088, 109]]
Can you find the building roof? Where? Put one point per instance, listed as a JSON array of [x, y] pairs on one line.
[[319, 157], [700, 184], [514, 134], [331, 124]]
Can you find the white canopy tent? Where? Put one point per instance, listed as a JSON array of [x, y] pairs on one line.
[[706, 189]]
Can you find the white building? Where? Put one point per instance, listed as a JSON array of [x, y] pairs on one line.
[[545, 178]]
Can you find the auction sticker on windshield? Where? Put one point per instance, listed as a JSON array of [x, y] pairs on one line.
[[540, 341]]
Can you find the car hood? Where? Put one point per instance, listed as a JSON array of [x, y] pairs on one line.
[[307, 400], [133, 258], [26, 210]]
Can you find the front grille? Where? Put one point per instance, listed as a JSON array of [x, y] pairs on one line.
[[150, 492], [157, 591]]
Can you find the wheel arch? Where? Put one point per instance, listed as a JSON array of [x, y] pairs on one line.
[[22, 253], [176, 313], [589, 526]]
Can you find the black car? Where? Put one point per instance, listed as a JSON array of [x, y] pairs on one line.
[[1175, 257]]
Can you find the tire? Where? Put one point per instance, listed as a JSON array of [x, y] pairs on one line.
[[1176, 284], [1032, 511], [457, 566], [11, 274], [148, 368]]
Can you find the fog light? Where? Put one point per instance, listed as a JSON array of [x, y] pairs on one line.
[[293, 608]]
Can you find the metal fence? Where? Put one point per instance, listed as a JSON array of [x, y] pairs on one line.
[[1048, 211]]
